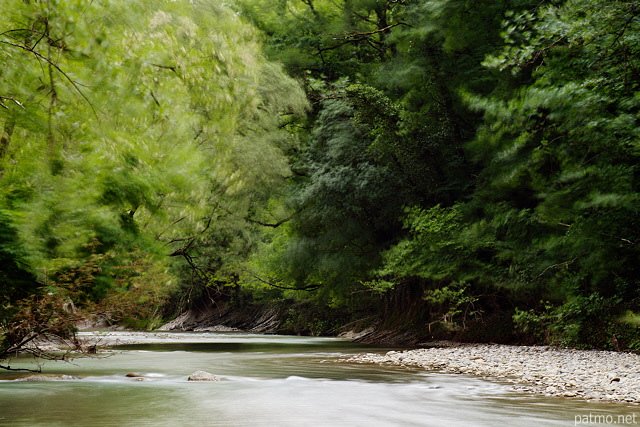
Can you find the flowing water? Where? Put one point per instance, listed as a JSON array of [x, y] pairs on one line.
[[270, 381]]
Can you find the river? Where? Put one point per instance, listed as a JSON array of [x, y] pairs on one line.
[[269, 381]]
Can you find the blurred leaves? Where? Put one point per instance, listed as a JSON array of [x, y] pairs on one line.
[[154, 130]]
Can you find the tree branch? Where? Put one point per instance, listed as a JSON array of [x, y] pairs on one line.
[[277, 224], [304, 288], [166, 67], [348, 36], [54, 65], [8, 98], [565, 263]]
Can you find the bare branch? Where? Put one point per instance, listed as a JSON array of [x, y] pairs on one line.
[[8, 98], [277, 224], [165, 67], [269, 283], [565, 263], [168, 227], [54, 65], [347, 36]]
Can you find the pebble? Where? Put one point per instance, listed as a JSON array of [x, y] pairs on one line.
[[586, 374]]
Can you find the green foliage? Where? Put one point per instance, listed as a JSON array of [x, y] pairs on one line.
[[562, 145], [561, 149], [554, 207], [432, 237], [588, 322], [344, 212], [326, 39], [154, 130], [16, 281], [454, 302], [537, 326], [378, 114], [305, 319], [456, 152]]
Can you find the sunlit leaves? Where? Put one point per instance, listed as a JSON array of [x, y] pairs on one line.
[[155, 115]]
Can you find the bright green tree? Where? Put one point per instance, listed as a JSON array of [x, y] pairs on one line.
[[132, 133]]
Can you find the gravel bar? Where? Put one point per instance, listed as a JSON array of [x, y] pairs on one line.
[[586, 374]]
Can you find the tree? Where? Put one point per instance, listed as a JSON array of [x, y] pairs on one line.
[[132, 134], [562, 151], [346, 210]]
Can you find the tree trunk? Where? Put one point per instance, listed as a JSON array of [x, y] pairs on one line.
[[5, 137]]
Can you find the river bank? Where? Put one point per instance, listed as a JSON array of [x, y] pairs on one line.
[[265, 380], [585, 374]]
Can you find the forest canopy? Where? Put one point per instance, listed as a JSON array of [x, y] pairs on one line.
[[448, 166]]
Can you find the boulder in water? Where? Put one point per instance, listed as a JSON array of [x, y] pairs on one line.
[[134, 375], [202, 376]]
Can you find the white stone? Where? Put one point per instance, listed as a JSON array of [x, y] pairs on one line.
[[202, 376]]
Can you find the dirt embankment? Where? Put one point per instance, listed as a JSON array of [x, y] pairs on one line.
[[272, 319], [222, 317]]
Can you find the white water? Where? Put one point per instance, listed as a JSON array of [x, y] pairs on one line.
[[269, 381]]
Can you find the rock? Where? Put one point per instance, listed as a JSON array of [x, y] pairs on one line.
[[134, 375], [216, 328], [202, 376], [47, 377], [587, 374], [354, 335]]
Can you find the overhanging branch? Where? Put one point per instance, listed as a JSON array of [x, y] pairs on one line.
[[276, 224], [54, 65], [289, 288], [347, 36]]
